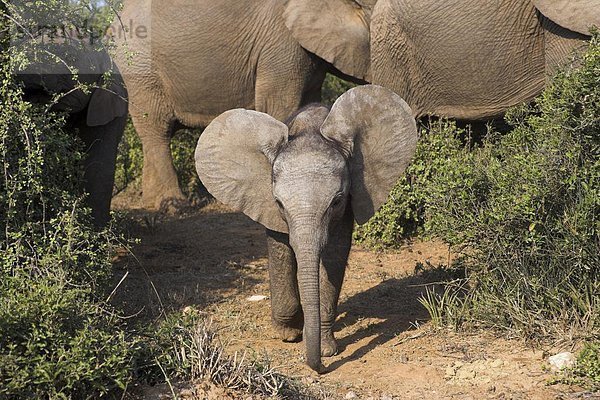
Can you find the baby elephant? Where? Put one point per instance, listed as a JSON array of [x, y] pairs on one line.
[[307, 182]]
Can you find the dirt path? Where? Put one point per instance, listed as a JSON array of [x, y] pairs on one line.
[[215, 260]]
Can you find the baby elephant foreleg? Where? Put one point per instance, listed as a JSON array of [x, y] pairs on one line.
[[286, 311]]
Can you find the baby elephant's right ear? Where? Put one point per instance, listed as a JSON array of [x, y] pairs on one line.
[[234, 160]]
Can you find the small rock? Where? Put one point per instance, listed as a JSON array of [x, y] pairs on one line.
[[465, 374], [257, 297], [186, 393], [450, 371], [350, 395], [386, 397], [309, 380], [497, 363], [561, 361]]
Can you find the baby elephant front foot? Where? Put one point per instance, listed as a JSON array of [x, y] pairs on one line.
[[289, 329], [328, 345], [287, 334]]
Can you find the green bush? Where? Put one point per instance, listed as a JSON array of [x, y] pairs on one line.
[[183, 147], [334, 87], [59, 337], [130, 159], [588, 365], [522, 209], [403, 215]]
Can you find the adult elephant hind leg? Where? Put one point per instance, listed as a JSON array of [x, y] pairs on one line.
[[160, 186], [333, 268], [286, 312]]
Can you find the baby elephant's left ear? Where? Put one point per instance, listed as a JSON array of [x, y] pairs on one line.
[[377, 131]]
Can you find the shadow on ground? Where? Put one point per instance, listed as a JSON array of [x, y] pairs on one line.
[[393, 304], [188, 261]]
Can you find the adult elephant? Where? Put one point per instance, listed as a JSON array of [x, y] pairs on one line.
[[468, 59], [97, 113], [193, 60]]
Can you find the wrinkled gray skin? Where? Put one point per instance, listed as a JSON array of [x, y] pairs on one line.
[[306, 183], [198, 60], [468, 59], [98, 117]]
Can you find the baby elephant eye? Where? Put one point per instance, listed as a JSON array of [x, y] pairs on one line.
[[337, 200]]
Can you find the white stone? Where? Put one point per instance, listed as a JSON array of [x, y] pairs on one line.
[[350, 395], [257, 297], [497, 363], [450, 371], [465, 374], [562, 360]]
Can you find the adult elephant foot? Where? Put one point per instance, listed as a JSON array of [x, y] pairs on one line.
[[175, 206], [160, 187], [166, 200], [328, 345]]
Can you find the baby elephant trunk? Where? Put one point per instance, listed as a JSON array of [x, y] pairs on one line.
[[307, 247]]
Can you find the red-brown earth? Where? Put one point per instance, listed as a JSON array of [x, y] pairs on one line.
[[213, 260]]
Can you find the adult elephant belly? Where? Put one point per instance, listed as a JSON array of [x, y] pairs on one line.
[[469, 59], [202, 73], [197, 102]]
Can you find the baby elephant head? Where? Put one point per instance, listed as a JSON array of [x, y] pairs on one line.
[[300, 178]]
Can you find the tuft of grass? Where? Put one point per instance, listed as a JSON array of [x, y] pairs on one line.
[[185, 347], [448, 309]]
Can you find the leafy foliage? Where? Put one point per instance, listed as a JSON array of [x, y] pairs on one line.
[[183, 147], [58, 335], [522, 209], [130, 160], [403, 215], [588, 364], [334, 87], [525, 207]]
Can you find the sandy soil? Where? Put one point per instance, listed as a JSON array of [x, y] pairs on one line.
[[214, 260]]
